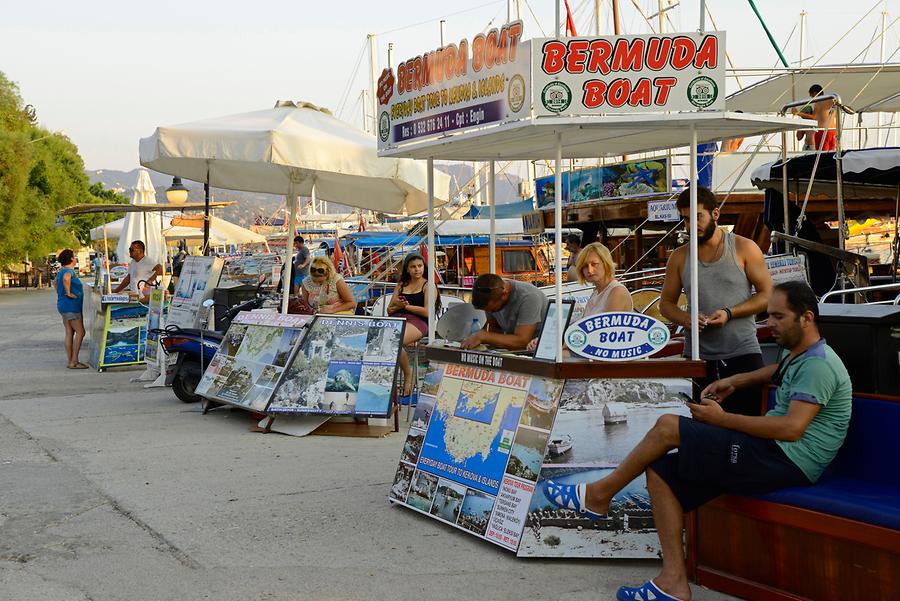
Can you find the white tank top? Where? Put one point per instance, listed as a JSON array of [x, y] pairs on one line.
[[597, 302]]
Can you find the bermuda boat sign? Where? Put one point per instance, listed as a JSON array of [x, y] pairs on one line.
[[616, 336]]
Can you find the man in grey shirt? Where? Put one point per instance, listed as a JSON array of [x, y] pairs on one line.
[[514, 310]]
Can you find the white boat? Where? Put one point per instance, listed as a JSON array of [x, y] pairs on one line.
[[558, 446]]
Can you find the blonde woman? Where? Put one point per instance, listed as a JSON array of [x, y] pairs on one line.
[[595, 265], [325, 291]]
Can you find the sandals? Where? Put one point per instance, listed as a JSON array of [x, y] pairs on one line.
[[568, 496], [78, 365], [646, 592]]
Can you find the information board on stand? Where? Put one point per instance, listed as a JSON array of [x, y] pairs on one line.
[[199, 276], [346, 365], [475, 448], [251, 358]]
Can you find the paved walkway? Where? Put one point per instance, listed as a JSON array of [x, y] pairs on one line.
[[109, 491]]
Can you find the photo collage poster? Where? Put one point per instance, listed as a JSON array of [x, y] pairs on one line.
[[619, 180], [475, 449], [346, 365], [252, 358], [125, 335], [199, 276], [247, 270], [155, 320], [598, 423]]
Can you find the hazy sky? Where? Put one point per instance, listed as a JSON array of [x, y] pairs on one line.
[[107, 73]]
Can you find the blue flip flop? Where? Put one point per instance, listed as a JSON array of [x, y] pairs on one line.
[[568, 496], [648, 592]]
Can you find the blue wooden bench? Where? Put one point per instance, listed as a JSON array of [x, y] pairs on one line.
[[837, 539]]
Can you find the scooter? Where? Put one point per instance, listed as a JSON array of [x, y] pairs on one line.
[[196, 348]]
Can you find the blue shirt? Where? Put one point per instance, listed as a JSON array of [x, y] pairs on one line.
[[64, 304]]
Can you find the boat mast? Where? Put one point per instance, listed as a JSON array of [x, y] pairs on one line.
[[761, 22]]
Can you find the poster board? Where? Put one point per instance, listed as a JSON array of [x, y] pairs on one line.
[[251, 359], [346, 365], [199, 276], [546, 346], [155, 320], [601, 421], [619, 180], [787, 268], [246, 270], [475, 448], [121, 331]]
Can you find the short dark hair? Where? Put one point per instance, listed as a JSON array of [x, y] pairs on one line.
[[140, 244], [705, 199], [66, 257], [815, 89], [298, 239], [800, 298], [573, 239], [486, 287]]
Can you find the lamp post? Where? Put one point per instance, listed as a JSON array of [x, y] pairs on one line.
[[177, 193]]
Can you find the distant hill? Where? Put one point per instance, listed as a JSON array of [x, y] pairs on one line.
[[249, 205]]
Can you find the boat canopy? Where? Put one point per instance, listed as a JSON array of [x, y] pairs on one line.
[[391, 240], [867, 173], [501, 211]]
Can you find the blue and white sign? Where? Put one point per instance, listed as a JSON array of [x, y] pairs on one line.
[[616, 336], [662, 210]]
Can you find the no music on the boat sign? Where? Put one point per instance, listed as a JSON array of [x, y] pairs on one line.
[[616, 336]]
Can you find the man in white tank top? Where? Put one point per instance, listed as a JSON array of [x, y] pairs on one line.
[[728, 265]]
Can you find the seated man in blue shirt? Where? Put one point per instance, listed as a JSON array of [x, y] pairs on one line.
[[720, 452]]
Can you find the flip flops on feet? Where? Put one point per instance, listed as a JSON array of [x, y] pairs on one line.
[[76, 366], [646, 592], [569, 496]]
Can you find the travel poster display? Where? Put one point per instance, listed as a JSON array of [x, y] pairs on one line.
[[346, 365], [247, 270], [599, 422], [252, 358], [199, 276], [154, 320], [124, 335], [629, 178], [475, 448]]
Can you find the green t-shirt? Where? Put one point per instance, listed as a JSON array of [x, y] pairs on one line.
[[816, 376]]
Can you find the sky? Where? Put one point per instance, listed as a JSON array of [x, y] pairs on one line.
[[108, 73]]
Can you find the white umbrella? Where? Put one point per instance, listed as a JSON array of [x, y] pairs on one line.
[[294, 149], [220, 231], [142, 226]]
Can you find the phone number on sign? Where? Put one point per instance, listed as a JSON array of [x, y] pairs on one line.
[[488, 112]]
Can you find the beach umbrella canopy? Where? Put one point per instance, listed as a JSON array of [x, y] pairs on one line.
[[142, 226], [189, 228], [287, 150]]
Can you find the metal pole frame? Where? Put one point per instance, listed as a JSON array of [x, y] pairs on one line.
[[695, 309], [291, 201], [432, 259], [492, 240], [557, 243]]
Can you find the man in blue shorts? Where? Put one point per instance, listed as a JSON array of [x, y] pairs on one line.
[[720, 452]]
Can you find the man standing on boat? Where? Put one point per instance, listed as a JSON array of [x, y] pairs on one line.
[[720, 452], [727, 266], [823, 114], [573, 246]]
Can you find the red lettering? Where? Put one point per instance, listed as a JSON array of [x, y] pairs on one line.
[[577, 56], [401, 78], [417, 66], [462, 58], [601, 51], [663, 87], [426, 69], [450, 61], [658, 52], [502, 47], [683, 52], [594, 91], [553, 62], [708, 54], [437, 66], [642, 94], [514, 33], [478, 52], [618, 92], [628, 58], [410, 66]]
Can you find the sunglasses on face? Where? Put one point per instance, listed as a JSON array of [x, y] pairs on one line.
[[317, 270]]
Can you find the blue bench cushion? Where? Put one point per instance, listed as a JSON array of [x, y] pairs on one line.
[[868, 502]]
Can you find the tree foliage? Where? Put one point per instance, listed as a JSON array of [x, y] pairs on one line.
[[41, 173]]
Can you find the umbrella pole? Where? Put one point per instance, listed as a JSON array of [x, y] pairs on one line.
[[695, 315], [106, 255], [432, 259], [291, 200], [557, 244], [206, 215], [492, 242]]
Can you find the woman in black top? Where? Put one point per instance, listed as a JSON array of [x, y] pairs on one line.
[[409, 301]]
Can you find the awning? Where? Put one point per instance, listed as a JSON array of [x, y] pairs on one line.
[[868, 173]]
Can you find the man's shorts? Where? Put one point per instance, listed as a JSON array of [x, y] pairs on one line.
[[711, 461]]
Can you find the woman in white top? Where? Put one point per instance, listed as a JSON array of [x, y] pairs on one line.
[[325, 291], [595, 265]]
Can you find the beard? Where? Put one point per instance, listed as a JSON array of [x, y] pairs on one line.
[[707, 233]]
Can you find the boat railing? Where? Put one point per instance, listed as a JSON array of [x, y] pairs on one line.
[[861, 290]]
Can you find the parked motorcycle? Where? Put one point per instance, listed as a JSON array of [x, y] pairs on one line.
[[196, 348]]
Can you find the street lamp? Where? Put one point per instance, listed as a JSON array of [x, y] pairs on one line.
[[176, 193]]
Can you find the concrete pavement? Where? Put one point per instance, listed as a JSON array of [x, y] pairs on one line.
[[110, 492]]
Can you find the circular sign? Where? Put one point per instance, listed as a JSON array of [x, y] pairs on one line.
[[556, 96], [616, 336], [702, 92], [384, 126], [515, 93], [118, 272]]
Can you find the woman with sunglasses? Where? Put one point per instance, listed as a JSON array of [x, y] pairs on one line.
[[325, 291], [410, 302]]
